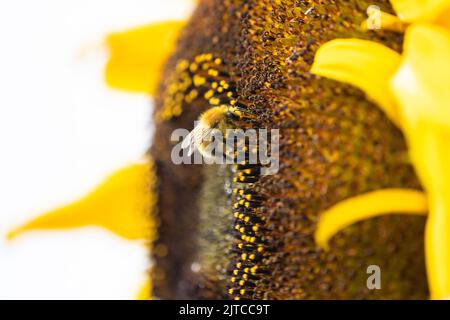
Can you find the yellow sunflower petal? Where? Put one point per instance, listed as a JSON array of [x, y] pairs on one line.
[[420, 10], [443, 19], [431, 158], [366, 206], [421, 85], [145, 292], [421, 88], [437, 248], [437, 233], [364, 64], [138, 55], [120, 204]]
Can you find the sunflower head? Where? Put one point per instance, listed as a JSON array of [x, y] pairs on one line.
[[230, 232]]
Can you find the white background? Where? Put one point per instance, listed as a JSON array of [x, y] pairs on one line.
[[61, 132]]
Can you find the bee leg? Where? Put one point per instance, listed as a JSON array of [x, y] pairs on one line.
[[238, 113]]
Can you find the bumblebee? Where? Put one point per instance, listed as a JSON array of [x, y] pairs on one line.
[[202, 134]]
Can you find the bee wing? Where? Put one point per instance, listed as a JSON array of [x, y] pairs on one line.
[[195, 138], [189, 143]]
